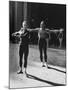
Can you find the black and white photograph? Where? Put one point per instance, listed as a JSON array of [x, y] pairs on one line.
[[37, 44]]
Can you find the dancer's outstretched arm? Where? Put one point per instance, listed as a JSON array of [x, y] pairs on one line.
[[18, 33]]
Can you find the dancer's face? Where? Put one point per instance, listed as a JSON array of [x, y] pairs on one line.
[[24, 25], [42, 25]]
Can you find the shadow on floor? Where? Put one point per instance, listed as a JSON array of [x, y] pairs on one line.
[[45, 81], [49, 67]]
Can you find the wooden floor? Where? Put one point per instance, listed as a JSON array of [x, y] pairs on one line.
[[55, 75]]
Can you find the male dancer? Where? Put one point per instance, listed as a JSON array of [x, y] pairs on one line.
[[24, 45], [43, 35]]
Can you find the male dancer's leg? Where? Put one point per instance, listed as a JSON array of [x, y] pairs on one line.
[[26, 52], [20, 57], [40, 50], [45, 53]]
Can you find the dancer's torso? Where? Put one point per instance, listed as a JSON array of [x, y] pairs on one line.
[[24, 39]]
